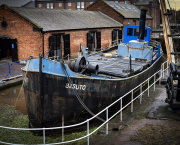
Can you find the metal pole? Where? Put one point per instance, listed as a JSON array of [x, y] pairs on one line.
[[68, 56], [107, 120], [88, 131], [132, 101], [160, 76], [63, 128], [154, 82], [167, 68], [121, 110], [148, 87], [44, 135], [163, 70], [141, 94]]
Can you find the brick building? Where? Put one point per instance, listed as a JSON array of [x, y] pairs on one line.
[[28, 32], [124, 13], [153, 10], [71, 4]]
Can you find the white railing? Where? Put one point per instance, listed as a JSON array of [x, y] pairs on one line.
[[161, 75]]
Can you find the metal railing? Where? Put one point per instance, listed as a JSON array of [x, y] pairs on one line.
[[161, 75], [8, 70], [115, 42]]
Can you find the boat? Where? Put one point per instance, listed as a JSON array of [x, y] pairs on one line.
[[66, 92]]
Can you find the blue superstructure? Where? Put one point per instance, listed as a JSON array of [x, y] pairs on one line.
[[132, 33]]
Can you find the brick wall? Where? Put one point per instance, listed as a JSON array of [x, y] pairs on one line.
[[79, 37], [29, 43]]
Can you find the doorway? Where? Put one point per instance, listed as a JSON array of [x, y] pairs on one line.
[[8, 48]]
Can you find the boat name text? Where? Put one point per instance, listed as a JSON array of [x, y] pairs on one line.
[[74, 86]]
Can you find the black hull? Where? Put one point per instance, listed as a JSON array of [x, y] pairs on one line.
[[57, 100]]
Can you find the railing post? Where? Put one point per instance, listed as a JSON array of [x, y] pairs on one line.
[[160, 76], [9, 69], [167, 69], [163, 70], [121, 110], [44, 136], [132, 101], [148, 87], [107, 120], [87, 131], [63, 128], [154, 82], [141, 94]]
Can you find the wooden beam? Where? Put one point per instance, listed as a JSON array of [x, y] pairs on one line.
[[167, 31]]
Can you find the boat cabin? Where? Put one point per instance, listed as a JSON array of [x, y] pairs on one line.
[[132, 33]]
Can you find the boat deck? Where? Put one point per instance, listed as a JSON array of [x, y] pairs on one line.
[[117, 66]]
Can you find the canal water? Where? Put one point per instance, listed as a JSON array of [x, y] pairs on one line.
[[10, 95]]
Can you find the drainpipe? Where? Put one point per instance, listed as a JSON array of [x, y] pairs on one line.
[[42, 40]]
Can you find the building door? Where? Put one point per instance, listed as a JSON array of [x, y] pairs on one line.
[[66, 44], [5, 47], [58, 43], [94, 40], [116, 36]]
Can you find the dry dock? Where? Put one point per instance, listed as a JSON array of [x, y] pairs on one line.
[[150, 123]]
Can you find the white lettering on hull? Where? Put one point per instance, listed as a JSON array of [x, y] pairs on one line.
[[75, 86]]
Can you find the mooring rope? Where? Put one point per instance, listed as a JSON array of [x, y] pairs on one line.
[[22, 84]]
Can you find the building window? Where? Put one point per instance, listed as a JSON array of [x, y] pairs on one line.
[[82, 5], [91, 3], [51, 5], [94, 41], [47, 5], [40, 5], [69, 4], [130, 32], [69, 9], [126, 2], [116, 1], [78, 5], [60, 4]]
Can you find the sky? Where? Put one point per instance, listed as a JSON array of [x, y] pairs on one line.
[[17, 3], [175, 4]]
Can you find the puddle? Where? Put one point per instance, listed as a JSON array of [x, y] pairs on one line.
[[9, 96]]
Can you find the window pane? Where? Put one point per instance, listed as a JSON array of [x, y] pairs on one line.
[[69, 4], [126, 2], [145, 35], [60, 4], [82, 5], [47, 5], [136, 32], [51, 5], [78, 5], [116, 1], [91, 2], [129, 31]]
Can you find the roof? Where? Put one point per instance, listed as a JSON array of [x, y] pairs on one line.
[[126, 10], [58, 19], [144, 2], [30, 4]]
